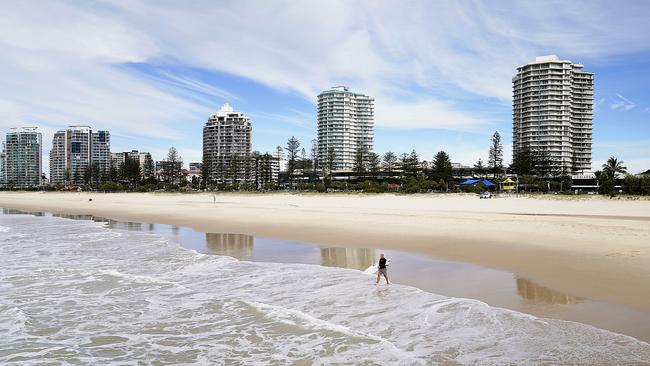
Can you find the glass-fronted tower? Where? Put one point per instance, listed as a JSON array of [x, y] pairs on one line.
[[345, 125], [552, 112], [23, 158]]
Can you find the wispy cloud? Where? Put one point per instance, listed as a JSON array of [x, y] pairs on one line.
[[62, 62], [300, 120], [598, 103], [622, 103]]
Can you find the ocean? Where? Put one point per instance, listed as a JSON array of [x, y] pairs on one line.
[[80, 292]]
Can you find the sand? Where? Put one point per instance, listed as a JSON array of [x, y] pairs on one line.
[[594, 247]]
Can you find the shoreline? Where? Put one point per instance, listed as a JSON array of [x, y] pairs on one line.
[[460, 280], [589, 248]]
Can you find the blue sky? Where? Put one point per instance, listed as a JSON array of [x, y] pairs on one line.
[[152, 72]]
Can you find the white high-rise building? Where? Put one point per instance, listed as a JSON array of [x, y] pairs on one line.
[[345, 125], [552, 112], [75, 150], [22, 158], [226, 144]]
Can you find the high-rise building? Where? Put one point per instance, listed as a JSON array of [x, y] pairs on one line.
[[227, 144], [552, 112], [3, 166], [23, 158], [345, 125], [75, 150]]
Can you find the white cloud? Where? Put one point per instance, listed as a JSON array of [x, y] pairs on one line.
[[425, 113], [622, 103], [59, 58]]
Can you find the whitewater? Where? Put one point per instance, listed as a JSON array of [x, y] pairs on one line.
[[76, 292]]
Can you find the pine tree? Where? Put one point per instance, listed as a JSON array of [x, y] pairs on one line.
[[442, 168], [292, 153], [479, 167], [360, 161], [495, 159], [389, 163]]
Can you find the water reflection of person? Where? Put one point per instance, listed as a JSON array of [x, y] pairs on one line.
[[382, 270]]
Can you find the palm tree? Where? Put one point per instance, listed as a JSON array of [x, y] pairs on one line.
[[614, 166]]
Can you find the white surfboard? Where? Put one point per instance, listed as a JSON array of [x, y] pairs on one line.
[[375, 267]]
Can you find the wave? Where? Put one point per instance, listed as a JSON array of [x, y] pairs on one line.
[[98, 297]]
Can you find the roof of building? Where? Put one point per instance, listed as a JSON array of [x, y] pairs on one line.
[[342, 89]]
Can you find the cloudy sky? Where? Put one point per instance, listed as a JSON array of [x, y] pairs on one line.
[[151, 72]]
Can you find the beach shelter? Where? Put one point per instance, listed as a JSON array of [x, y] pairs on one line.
[[488, 183], [470, 182], [508, 185]]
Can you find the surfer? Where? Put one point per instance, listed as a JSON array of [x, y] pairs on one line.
[[382, 269]]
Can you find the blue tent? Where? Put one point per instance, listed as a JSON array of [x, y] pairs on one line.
[[487, 182], [470, 182]]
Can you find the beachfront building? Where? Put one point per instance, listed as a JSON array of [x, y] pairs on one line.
[[227, 145], [195, 167], [142, 157], [3, 166], [169, 171], [552, 112], [22, 159], [345, 126], [117, 160], [76, 151]]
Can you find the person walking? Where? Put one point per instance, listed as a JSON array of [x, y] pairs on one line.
[[382, 270]]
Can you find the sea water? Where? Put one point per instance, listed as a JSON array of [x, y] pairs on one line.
[[77, 292]]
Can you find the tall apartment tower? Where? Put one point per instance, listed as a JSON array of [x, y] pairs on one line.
[[226, 137], [76, 149], [3, 166], [552, 109], [23, 158], [345, 125]]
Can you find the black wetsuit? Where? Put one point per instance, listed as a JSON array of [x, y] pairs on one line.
[[382, 263]]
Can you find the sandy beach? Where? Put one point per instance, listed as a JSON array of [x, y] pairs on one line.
[[592, 247]]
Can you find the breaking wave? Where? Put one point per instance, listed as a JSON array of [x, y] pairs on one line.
[[77, 292]]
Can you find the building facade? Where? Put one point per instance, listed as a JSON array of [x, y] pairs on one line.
[[195, 167], [553, 112], [3, 166], [142, 157], [23, 158], [345, 125], [75, 151], [117, 160], [226, 144]]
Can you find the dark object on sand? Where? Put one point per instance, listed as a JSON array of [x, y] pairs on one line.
[[90, 200]]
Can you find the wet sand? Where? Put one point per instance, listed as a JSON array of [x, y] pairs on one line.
[[450, 278], [585, 260]]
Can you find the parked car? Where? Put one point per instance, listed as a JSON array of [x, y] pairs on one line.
[[485, 195]]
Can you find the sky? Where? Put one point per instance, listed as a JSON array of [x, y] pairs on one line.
[[151, 72]]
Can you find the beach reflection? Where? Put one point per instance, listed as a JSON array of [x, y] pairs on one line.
[[76, 217], [539, 294], [239, 246], [9, 211], [354, 258]]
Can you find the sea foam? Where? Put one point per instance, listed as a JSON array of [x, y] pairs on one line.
[[105, 296]]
